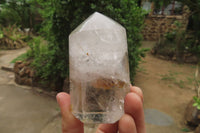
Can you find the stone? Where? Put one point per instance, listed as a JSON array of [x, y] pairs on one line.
[[31, 74], [20, 66], [99, 70], [191, 115], [162, 24], [22, 72], [17, 79], [18, 62], [16, 68], [28, 81], [156, 117], [27, 71], [27, 63]]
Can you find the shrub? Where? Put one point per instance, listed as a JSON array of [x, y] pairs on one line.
[[19, 12], [194, 7], [12, 38], [63, 16], [176, 43]]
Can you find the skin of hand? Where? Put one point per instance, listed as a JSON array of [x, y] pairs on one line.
[[131, 122]]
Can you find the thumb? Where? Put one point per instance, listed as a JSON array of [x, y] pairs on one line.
[[69, 123]]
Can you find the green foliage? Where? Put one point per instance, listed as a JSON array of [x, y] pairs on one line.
[[171, 36], [176, 43], [34, 45], [192, 44], [7, 16], [19, 12], [160, 3], [21, 57], [1, 33], [40, 53], [12, 38], [194, 7], [196, 102], [185, 130], [2, 1], [61, 17]]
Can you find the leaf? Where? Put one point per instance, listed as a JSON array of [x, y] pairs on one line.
[[198, 107], [185, 130], [195, 104], [195, 98], [1, 36], [93, 6]]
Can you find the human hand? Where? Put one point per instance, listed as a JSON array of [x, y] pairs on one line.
[[131, 122]]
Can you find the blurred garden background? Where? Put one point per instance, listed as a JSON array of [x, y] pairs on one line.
[[164, 53]]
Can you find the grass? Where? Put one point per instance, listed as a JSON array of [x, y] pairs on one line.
[[180, 83], [142, 69], [21, 57], [170, 86], [190, 80], [171, 76], [193, 66]]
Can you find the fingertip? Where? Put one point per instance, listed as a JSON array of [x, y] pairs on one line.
[[107, 128], [127, 124], [133, 102], [62, 94], [138, 91], [62, 97], [63, 100], [58, 97]]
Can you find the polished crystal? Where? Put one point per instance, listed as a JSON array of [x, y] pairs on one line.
[[99, 70]]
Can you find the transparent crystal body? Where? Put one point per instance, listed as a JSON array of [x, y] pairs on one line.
[[99, 70]]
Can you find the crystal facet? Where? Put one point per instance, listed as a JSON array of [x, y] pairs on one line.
[[99, 70]]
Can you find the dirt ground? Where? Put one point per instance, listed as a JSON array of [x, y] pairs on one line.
[[167, 87]]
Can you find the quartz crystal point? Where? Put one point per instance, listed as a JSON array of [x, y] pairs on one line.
[[99, 70]]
